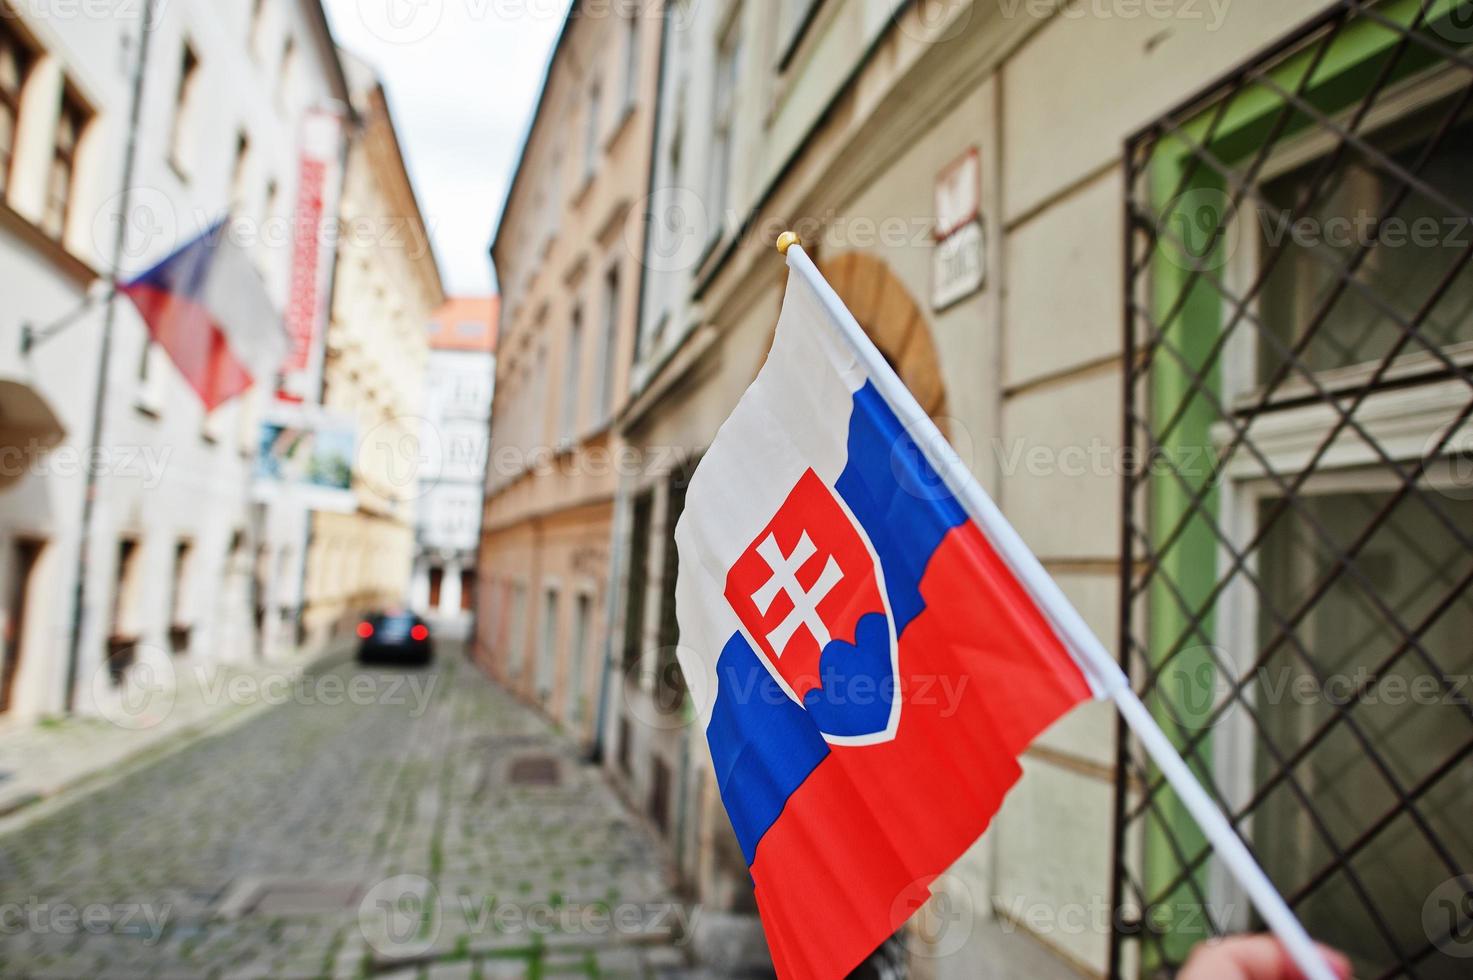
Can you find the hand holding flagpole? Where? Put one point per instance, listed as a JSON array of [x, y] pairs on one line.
[[1104, 674]]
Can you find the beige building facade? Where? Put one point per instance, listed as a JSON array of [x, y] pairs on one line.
[[387, 284], [961, 174], [567, 255]]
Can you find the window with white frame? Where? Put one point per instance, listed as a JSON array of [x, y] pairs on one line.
[[16, 58], [61, 178], [1300, 562], [578, 653], [572, 377], [592, 131], [183, 138], [631, 60], [547, 645], [608, 346], [723, 122]]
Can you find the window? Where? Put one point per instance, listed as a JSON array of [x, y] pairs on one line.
[[554, 205], [182, 139], [608, 346], [15, 65], [1299, 552], [59, 183], [515, 645], [122, 631], [631, 60], [1362, 324], [470, 328], [179, 628], [538, 404], [547, 647], [572, 375], [660, 795], [639, 555], [258, 19], [578, 652], [591, 132], [723, 122], [238, 175], [286, 74], [669, 681]]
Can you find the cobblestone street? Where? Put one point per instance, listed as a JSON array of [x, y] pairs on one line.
[[377, 823]]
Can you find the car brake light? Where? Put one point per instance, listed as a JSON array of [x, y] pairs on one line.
[[420, 632], [365, 630]]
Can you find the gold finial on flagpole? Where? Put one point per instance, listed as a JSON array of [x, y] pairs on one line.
[[786, 240]]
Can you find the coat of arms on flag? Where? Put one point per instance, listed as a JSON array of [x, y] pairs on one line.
[[810, 590]]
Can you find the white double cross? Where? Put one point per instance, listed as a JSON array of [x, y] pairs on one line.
[[805, 601]]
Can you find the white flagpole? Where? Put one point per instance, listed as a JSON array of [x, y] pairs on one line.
[[1099, 667]]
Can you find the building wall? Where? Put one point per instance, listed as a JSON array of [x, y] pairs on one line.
[[459, 385], [169, 473], [1029, 365], [387, 284], [567, 251]]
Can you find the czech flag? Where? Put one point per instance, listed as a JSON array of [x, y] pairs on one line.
[[867, 666], [206, 306]]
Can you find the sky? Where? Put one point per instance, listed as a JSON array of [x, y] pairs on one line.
[[462, 77]]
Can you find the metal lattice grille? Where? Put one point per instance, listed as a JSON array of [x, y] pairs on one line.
[[1298, 540]]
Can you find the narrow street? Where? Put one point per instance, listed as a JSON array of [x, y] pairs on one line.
[[379, 823]]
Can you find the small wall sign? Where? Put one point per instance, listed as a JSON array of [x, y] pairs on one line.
[[958, 266]]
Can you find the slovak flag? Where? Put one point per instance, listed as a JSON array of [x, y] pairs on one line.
[[206, 306], [867, 666]]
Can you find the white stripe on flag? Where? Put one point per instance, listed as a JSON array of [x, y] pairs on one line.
[[236, 297]]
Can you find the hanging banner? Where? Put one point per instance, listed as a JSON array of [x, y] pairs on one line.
[[313, 254]]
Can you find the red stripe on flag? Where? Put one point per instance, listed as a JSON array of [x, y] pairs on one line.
[[194, 341], [859, 842]]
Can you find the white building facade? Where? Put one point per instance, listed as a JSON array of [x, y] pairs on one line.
[[179, 560], [459, 385]]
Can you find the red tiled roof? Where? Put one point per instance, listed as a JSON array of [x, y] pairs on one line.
[[466, 323]]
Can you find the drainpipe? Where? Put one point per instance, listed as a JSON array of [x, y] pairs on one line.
[[104, 361]]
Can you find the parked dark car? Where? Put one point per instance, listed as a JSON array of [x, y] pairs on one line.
[[398, 637]]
